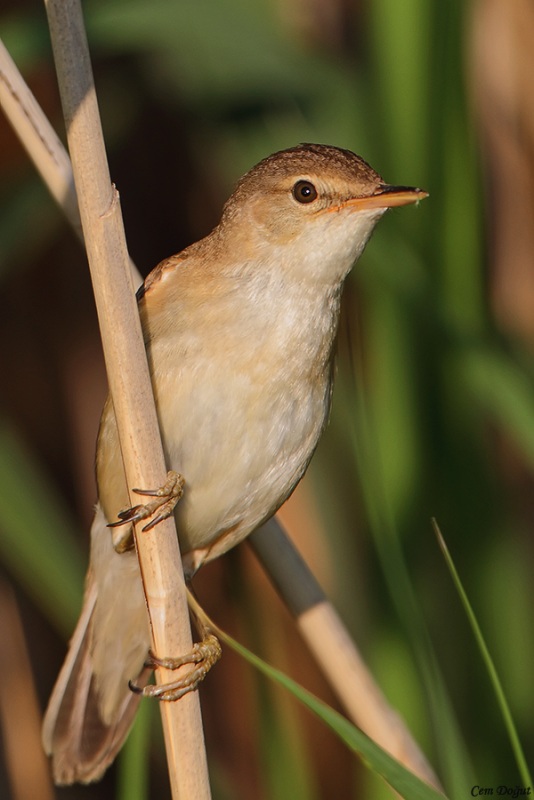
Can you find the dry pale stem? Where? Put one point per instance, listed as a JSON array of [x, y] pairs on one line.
[[41, 142], [38, 137]]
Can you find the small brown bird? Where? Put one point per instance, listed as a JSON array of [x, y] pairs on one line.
[[240, 330]]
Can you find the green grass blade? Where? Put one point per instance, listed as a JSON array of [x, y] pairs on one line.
[[399, 778], [492, 671]]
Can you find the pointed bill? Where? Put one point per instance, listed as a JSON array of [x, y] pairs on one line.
[[385, 197]]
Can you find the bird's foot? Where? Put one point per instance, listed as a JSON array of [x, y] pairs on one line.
[[203, 655], [165, 500]]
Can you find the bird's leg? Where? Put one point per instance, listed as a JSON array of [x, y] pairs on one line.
[[165, 500], [203, 656]]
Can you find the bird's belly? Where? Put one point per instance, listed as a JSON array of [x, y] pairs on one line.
[[241, 445]]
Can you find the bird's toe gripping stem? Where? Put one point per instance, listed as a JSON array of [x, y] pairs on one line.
[[164, 502], [203, 656]]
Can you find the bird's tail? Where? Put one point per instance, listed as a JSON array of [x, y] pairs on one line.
[[80, 743], [91, 708]]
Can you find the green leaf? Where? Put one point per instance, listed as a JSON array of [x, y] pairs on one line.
[[398, 777], [490, 666]]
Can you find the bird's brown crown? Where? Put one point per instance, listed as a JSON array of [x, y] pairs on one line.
[[344, 171]]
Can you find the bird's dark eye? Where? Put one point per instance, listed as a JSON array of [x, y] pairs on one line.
[[304, 192]]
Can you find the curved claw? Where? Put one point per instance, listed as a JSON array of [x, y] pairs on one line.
[[128, 516]]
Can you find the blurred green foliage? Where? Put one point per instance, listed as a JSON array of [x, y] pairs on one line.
[[431, 399]]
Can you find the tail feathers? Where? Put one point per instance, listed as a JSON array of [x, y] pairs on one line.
[[82, 746]]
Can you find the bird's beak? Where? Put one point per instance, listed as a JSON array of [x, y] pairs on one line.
[[384, 197], [389, 196]]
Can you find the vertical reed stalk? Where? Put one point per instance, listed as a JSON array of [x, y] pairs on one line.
[[129, 382]]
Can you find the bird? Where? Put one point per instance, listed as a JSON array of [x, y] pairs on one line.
[[240, 331]]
